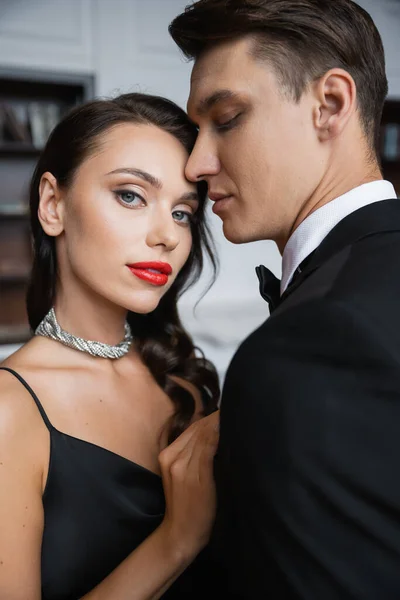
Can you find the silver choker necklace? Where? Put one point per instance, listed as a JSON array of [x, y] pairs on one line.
[[49, 327]]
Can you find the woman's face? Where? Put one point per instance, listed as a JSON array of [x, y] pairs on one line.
[[126, 218]]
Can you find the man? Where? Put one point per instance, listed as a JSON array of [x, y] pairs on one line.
[[288, 97]]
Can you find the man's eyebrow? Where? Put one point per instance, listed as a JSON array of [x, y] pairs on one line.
[[151, 179], [218, 96]]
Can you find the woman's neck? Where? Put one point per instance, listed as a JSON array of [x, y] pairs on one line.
[[89, 316]]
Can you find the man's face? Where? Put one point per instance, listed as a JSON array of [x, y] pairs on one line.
[[257, 148]]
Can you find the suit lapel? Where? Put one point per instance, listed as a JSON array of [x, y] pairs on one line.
[[379, 217]]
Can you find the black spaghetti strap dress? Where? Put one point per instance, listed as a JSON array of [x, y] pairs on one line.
[[98, 507]]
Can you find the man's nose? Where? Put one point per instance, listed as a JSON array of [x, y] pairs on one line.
[[203, 162]]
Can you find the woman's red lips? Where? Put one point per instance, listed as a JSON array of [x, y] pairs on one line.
[[155, 273], [162, 267]]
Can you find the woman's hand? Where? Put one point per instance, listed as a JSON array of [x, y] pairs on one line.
[[187, 472]]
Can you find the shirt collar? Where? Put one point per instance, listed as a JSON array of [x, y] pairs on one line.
[[310, 233]]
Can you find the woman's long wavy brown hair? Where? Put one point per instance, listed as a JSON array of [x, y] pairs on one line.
[[164, 345]]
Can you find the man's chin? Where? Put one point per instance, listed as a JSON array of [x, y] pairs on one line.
[[233, 234], [240, 235]]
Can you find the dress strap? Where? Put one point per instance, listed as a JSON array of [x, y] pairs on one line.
[[32, 393]]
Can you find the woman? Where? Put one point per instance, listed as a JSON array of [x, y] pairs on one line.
[[95, 501]]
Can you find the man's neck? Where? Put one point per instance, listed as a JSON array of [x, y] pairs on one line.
[[332, 187]]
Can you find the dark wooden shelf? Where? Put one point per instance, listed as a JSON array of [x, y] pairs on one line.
[[390, 116], [31, 102], [391, 111], [15, 148], [14, 334], [391, 171], [392, 164], [10, 211], [14, 277]]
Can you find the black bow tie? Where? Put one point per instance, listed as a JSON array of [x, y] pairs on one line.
[[270, 285]]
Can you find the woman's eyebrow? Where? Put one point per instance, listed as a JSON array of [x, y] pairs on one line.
[[154, 181], [151, 179], [188, 196]]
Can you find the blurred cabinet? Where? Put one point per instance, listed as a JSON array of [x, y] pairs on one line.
[[31, 104], [390, 142], [48, 34]]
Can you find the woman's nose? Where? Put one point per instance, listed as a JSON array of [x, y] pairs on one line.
[[163, 232]]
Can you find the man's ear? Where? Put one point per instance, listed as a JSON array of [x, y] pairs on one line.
[[336, 94], [51, 205]]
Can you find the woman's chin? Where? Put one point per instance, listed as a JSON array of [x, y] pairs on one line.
[[143, 307]]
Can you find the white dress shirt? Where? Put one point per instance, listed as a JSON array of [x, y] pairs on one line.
[[316, 226]]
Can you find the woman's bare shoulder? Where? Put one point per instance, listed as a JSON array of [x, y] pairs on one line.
[[24, 450], [18, 411], [21, 424], [25, 356]]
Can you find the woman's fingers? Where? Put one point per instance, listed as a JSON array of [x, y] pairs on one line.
[[177, 445], [205, 429], [193, 452], [194, 461], [202, 451], [187, 471]]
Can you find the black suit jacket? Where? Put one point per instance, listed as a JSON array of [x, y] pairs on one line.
[[308, 468]]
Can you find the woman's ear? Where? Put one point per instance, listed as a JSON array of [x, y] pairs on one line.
[[51, 205], [337, 103]]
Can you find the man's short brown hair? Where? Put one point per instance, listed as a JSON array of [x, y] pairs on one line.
[[302, 39]]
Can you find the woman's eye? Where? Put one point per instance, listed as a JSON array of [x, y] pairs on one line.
[[182, 216], [228, 124], [130, 198]]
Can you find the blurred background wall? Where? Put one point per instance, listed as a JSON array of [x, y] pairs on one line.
[[124, 46]]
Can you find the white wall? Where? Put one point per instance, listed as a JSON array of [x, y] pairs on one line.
[[125, 44]]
